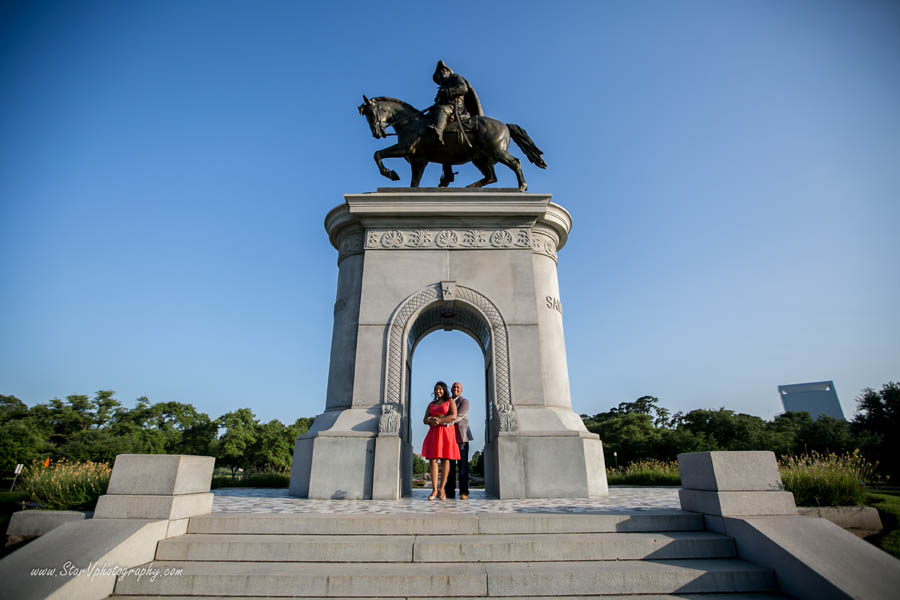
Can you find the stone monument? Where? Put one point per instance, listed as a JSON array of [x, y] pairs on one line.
[[416, 260]]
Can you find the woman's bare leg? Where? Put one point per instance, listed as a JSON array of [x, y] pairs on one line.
[[433, 469], [445, 471]]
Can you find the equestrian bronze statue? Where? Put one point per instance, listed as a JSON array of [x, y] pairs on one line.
[[452, 131]]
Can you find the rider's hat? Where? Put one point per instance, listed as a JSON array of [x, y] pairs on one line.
[[437, 71]]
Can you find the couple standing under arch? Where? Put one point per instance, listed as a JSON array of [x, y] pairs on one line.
[[447, 441]]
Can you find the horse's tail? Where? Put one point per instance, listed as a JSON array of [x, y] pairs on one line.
[[520, 137]]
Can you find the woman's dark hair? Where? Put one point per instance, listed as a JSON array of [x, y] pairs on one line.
[[443, 386]]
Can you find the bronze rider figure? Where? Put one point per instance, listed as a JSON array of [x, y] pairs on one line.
[[455, 99]]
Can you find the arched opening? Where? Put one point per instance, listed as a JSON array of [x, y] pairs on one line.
[[449, 356], [446, 306]]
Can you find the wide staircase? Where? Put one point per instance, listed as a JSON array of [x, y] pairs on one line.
[[654, 554]]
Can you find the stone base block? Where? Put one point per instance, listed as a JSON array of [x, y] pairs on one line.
[[737, 504], [135, 506], [551, 466], [163, 474], [861, 521], [334, 467], [34, 523], [730, 471], [386, 479]]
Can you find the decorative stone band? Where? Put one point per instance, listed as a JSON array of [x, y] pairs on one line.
[[544, 243], [399, 328], [351, 244], [455, 239]]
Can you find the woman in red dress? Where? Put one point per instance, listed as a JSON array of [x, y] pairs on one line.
[[440, 442]]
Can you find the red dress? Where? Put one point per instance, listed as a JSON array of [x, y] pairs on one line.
[[440, 441]]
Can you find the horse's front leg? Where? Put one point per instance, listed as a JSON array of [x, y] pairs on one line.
[[395, 151]]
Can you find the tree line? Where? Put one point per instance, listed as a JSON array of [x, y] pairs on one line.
[[81, 428], [643, 429], [97, 429]]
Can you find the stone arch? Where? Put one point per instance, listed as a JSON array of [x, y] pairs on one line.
[[425, 311]]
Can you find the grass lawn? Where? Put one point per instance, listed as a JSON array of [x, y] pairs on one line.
[[888, 505]]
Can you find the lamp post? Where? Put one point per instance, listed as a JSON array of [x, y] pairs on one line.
[[616, 456]]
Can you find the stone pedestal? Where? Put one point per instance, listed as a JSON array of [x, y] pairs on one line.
[[412, 261], [732, 484], [157, 486]]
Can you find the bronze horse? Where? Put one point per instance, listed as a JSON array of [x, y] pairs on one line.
[[484, 143]]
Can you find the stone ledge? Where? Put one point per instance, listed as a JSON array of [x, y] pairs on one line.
[[861, 521], [153, 507], [737, 504], [26, 524]]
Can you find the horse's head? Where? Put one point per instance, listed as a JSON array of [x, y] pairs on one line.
[[376, 116]]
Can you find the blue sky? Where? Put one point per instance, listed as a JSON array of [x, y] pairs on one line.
[[733, 170]]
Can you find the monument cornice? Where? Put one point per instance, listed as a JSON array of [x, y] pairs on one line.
[[410, 209]]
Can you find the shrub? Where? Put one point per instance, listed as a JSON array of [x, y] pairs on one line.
[[645, 472], [818, 479], [66, 485], [254, 480], [888, 505]]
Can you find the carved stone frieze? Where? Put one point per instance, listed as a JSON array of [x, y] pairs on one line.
[[448, 238], [351, 244], [542, 243]]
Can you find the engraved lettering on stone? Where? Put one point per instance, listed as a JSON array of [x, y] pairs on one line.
[[474, 238], [392, 239], [447, 239], [501, 238], [389, 422], [554, 304]]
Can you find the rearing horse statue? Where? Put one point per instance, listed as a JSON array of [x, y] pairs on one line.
[[483, 142]]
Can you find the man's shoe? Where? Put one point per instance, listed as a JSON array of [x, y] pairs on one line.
[[463, 496]]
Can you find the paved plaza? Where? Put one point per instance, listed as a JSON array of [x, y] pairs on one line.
[[620, 499]]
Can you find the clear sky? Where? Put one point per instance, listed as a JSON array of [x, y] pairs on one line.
[[733, 170]]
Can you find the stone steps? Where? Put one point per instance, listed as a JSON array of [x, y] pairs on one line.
[[736, 596], [443, 523], [445, 555], [446, 548], [353, 580]]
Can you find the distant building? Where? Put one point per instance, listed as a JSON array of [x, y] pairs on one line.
[[817, 398]]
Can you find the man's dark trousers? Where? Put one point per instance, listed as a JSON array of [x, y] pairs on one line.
[[463, 473]]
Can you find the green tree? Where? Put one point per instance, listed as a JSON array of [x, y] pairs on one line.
[[272, 448], [241, 431], [420, 467], [876, 426]]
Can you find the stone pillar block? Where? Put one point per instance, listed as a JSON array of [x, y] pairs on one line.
[[157, 486], [730, 471], [161, 474], [386, 479], [733, 484]]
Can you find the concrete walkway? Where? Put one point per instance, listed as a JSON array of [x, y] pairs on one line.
[[620, 499]]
